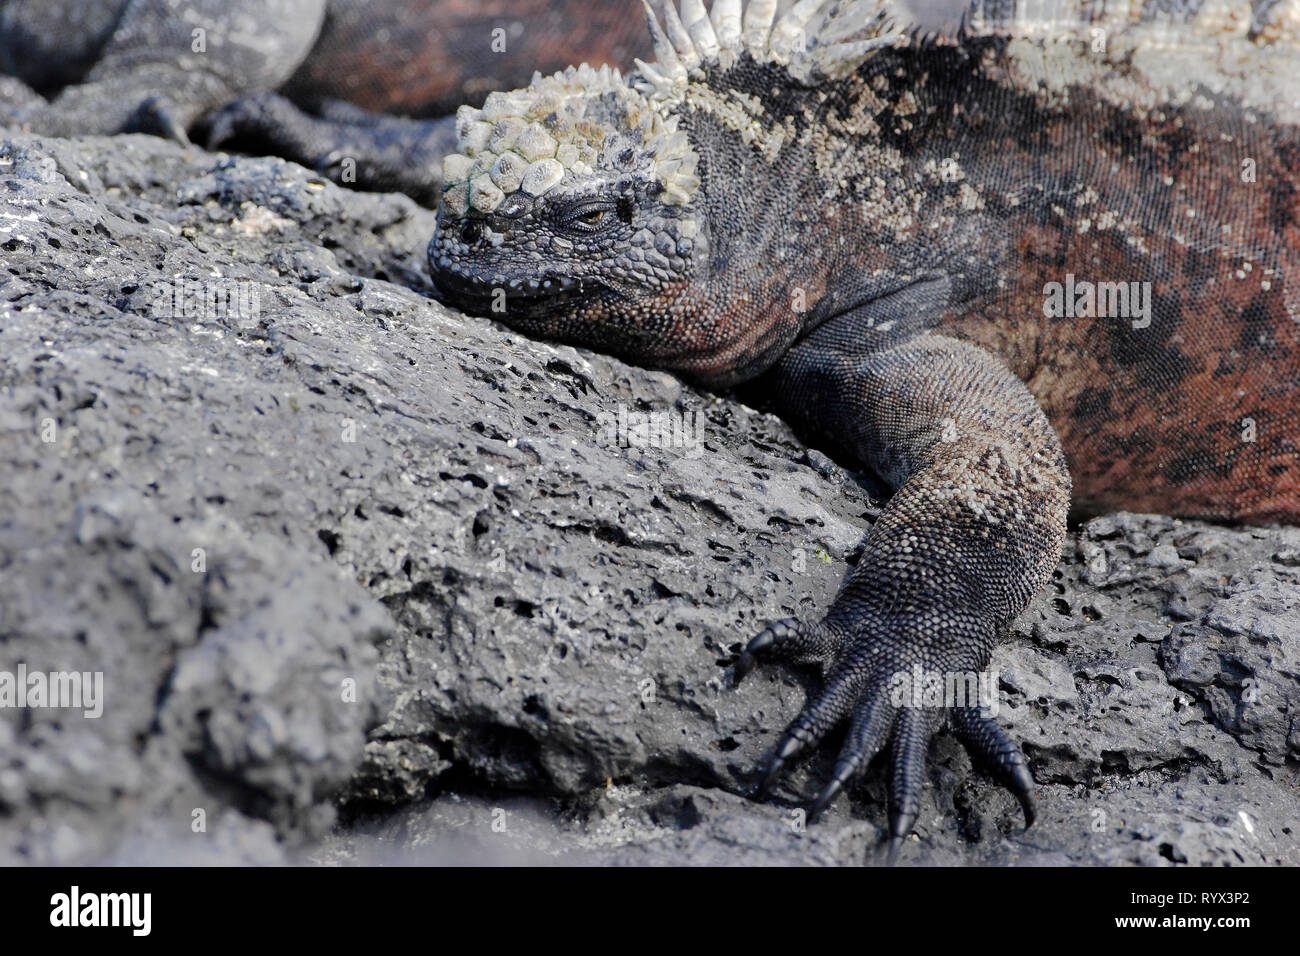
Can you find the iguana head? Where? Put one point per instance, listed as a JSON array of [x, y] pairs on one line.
[[569, 212], [607, 211]]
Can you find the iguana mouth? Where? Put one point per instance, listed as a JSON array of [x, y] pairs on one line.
[[482, 296]]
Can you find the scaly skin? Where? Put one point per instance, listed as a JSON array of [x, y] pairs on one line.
[[870, 231]]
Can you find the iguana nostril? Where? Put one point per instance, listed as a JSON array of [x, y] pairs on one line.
[[472, 231]]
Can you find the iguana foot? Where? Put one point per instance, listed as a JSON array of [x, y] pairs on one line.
[[156, 116], [262, 118], [349, 145], [871, 682]]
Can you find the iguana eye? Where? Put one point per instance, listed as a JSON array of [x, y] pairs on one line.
[[589, 217]]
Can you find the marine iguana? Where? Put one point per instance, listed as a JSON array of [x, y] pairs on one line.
[[159, 67], [1050, 259]]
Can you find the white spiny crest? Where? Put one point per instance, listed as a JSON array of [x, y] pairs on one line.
[[829, 38], [814, 37], [700, 28], [726, 24], [757, 24], [680, 39]]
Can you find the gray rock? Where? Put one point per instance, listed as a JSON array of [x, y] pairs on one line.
[[369, 580]]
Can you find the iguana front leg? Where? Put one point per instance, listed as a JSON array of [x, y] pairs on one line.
[[350, 145], [974, 528]]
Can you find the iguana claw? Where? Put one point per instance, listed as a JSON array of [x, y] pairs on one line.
[[862, 687]]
